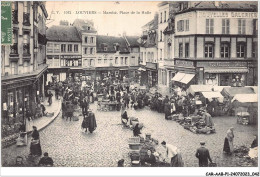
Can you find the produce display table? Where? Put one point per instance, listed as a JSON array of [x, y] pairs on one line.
[[107, 105]]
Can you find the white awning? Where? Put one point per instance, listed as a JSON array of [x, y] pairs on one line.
[[246, 98], [187, 78], [178, 76], [212, 94]]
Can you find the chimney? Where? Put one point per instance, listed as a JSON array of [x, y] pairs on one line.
[[217, 3], [124, 33]]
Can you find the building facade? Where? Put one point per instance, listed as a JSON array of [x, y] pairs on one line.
[[23, 65], [87, 34], [165, 44], [64, 52], [148, 53], [216, 43], [77, 51]]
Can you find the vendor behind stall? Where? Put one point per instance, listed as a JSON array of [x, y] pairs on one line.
[[137, 129], [149, 159]]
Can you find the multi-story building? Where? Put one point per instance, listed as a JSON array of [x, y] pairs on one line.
[[166, 10], [23, 64], [87, 34], [216, 43], [64, 52], [148, 53], [78, 51], [117, 57]]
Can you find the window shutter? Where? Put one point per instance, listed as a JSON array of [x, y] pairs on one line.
[[239, 26], [223, 26], [211, 26], [207, 26]]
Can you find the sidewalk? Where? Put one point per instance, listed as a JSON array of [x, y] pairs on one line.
[[10, 152], [44, 121], [40, 123]]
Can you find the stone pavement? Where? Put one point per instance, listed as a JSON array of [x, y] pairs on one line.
[[69, 146], [44, 121]]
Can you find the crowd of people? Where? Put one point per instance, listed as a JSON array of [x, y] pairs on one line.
[[74, 96]]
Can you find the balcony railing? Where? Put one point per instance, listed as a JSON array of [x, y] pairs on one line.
[[26, 49], [15, 16], [14, 49], [26, 19]]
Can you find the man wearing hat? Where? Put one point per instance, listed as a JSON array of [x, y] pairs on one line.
[[203, 155]]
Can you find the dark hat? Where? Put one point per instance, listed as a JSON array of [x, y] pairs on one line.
[[202, 143], [163, 143]]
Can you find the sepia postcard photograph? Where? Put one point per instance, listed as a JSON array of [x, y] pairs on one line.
[[169, 84]]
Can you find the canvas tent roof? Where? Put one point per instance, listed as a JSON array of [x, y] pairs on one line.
[[246, 98], [255, 88], [232, 91], [212, 94], [199, 88]]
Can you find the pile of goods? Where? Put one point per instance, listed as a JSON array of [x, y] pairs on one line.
[[244, 159], [195, 124], [138, 148]]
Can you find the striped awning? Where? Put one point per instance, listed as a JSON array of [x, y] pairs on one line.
[[226, 70]]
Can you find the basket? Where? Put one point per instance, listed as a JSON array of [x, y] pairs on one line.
[[134, 140]]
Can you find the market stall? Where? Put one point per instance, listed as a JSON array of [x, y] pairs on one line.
[[214, 102], [196, 89], [245, 108], [230, 92], [106, 104]]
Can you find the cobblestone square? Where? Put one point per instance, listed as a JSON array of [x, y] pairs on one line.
[[69, 146]]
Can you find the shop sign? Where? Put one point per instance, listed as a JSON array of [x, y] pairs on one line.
[[184, 63], [70, 56], [212, 14], [222, 64], [252, 64]]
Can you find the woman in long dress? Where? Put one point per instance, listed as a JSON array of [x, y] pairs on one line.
[[35, 148], [228, 143]]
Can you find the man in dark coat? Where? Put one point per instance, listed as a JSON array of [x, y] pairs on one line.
[[167, 110], [46, 161], [203, 155], [84, 106], [92, 125], [149, 158]]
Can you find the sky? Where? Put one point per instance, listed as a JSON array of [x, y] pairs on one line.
[[106, 24]]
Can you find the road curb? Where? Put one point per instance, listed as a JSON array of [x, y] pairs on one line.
[[51, 120], [12, 141]]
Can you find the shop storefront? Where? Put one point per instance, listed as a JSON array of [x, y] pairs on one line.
[[223, 73], [185, 74], [18, 95], [152, 74], [71, 60]]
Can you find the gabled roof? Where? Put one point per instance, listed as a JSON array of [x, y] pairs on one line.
[[62, 34], [133, 41], [110, 42], [153, 24], [222, 5], [227, 5], [83, 24]]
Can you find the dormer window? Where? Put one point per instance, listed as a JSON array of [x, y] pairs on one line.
[[104, 46], [116, 46]]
